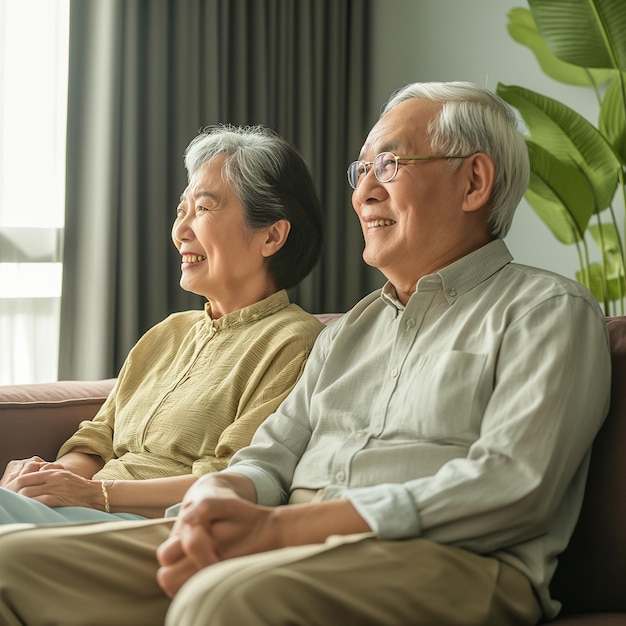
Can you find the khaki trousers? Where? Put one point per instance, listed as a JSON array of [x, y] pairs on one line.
[[104, 575], [95, 574]]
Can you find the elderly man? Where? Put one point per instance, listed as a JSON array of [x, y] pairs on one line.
[[429, 466]]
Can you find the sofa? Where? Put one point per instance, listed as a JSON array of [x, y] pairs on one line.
[[590, 580]]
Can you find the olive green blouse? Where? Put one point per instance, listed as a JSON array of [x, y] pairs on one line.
[[193, 390]]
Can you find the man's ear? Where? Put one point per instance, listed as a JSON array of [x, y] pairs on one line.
[[481, 176], [276, 235]]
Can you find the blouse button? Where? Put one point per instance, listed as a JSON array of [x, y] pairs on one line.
[[340, 477]]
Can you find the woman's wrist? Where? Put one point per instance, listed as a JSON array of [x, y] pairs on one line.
[[105, 502]]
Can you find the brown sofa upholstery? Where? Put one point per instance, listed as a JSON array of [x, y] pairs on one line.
[[591, 577]]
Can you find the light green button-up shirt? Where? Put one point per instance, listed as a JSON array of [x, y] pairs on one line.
[[465, 417]]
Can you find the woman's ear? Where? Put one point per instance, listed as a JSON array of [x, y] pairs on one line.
[[480, 181], [277, 234]]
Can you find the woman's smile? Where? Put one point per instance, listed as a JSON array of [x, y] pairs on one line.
[[192, 259]]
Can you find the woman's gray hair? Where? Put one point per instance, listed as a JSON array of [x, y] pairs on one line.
[[272, 182], [473, 119]]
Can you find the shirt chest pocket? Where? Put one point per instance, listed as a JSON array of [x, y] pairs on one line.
[[442, 397]]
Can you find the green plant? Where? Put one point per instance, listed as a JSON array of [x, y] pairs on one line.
[[578, 170]]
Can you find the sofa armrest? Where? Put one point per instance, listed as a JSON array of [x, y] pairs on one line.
[[38, 418], [591, 572]]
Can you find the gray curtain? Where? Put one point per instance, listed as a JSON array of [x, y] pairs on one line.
[[145, 76]]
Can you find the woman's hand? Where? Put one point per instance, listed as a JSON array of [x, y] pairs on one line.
[[55, 486], [78, 463], [20, 467]]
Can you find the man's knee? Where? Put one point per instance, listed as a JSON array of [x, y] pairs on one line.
[[213, 598]]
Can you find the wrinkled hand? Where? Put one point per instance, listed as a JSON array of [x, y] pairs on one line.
[[51, 484], [17, 468], [209, 530]]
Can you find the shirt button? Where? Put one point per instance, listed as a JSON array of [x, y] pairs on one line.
[[452, 293], [360, 433], [410, 323], [394, 373], [340, 477]]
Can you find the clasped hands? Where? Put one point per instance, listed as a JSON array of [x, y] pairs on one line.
[[215, 523], [49, 483]]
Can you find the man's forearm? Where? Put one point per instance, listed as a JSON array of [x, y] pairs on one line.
[[300, 524]]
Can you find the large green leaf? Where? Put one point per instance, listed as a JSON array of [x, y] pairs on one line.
[[569, 137], [560, 195], [598, 282], [613, 115], [589, 33], [523, 29], [608, 240], [574, 165]]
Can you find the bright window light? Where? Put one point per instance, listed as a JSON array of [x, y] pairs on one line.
[[34, 47], [31, 280], [33, 85]]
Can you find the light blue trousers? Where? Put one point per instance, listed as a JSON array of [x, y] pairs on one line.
[[15, 509]]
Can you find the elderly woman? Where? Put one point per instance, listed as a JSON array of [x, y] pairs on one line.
[[196, 386]]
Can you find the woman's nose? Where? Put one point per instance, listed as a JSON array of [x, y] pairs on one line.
[[181, 229]]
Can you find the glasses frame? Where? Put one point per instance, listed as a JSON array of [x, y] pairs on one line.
[[416, 157]]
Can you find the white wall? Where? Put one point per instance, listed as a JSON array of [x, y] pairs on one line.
[[433, 40]]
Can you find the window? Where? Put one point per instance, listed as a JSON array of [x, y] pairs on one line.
[[34, 38]]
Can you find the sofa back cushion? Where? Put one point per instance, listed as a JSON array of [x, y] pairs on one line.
[[38, 418], [591, 575]]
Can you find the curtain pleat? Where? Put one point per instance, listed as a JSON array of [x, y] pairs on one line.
[[145, 76]]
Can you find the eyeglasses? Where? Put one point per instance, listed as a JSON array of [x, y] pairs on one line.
[[386, 166]]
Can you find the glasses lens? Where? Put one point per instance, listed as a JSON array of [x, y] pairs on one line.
[[356, 169], [385, 166]]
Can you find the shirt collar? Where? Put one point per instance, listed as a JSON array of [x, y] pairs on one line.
[[458, 277], [471, 270], [389, 296], [249, 314]]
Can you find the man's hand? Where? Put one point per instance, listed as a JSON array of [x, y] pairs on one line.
[[220, 520], [179, 563], [236, 526], [214, 524]]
